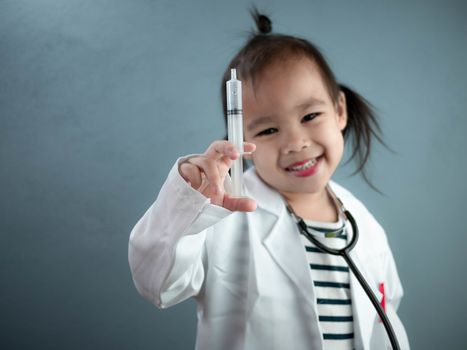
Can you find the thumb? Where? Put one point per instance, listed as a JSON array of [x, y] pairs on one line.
[[244, 204]]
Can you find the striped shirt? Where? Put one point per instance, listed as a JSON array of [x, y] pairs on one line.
[[331, 279]]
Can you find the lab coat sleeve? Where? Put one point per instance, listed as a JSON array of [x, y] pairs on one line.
[[166, 245]]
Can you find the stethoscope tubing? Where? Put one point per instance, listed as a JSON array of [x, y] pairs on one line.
[[345, 253]]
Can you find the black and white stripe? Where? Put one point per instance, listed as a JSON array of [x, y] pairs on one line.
[[331, 279]]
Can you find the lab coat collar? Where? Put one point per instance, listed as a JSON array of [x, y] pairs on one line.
[[288, 254]]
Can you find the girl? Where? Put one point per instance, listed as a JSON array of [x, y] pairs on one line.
[[258, 282]]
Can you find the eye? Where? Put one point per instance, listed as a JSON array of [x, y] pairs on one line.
[[310, 117], [268, 131]]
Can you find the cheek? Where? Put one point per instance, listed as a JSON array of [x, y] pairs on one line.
[[330, 132], [256, 157], [332, 139], [261, 158], [336, 143]]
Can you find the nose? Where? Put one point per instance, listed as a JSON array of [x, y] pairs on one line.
[[295, 139]]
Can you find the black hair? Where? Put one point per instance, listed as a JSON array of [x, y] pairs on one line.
[[264, 48]]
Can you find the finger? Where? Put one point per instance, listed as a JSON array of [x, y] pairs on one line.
[[238, 203], [211, 171], [208, 167], [223, 165], [249, 147], [191, 174], [221, 148]]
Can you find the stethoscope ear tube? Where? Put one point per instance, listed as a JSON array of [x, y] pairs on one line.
[[345, 253]]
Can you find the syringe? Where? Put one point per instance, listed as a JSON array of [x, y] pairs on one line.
[[235, 129]]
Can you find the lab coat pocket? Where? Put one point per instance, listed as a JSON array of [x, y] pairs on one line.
[[371, 268], [365, 315]]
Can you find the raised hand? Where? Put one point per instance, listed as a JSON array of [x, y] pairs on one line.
[[206, 173]]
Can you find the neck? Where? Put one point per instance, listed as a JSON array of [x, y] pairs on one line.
[[313, 206]]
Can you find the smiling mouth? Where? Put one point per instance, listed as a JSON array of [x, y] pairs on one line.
[[302, 165]]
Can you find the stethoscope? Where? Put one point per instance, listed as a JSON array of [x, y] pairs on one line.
[[345, 253]]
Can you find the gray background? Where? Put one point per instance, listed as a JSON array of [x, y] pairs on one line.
[[99, 97]]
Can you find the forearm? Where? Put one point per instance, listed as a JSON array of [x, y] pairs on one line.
[[165, 248]]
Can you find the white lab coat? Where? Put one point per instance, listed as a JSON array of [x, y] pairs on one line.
[[248, 271]]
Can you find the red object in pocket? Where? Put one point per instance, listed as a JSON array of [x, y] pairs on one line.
[[383, 299]]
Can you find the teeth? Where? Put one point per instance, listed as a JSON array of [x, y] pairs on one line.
[[305, 166]]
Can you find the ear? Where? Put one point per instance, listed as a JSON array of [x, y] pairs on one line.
[[341, 109]]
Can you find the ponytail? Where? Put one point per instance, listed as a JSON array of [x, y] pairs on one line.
[[362, 127]]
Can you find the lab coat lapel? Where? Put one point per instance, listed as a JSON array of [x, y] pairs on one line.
[[286, 249], [279, 235]]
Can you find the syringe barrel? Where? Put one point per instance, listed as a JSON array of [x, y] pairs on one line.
[[235, 129]]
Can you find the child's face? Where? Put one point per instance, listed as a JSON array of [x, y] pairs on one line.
[[296, 127]]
